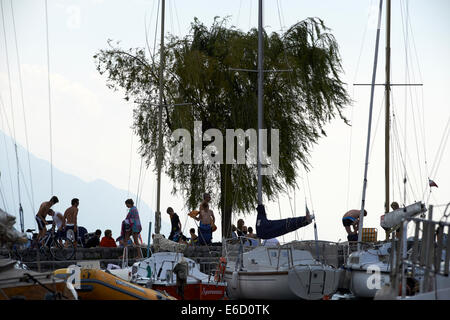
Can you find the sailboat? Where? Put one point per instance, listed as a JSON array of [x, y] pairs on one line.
[[378, 258], [275, 272]]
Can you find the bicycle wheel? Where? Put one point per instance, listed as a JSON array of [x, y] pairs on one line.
[[70, 234], [62, 249]]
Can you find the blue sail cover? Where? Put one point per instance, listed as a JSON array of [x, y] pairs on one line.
[[268, 229]]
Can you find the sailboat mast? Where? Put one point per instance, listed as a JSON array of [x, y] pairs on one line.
[[260, 94], [387, 103], [160, 154], [369, 130]]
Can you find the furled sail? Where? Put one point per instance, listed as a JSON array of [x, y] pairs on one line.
[[267, 229]]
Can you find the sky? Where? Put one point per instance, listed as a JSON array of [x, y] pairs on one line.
[[91, 124]]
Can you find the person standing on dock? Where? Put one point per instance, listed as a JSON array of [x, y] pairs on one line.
[[134, 224], [207, 219], [175, 231], [42, 214], [71, 218], [351, 219]]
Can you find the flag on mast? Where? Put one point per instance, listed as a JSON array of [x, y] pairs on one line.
[[432, 183]]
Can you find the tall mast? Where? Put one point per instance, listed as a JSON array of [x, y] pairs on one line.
[[160, 154], [387, 97], [260, 94], [369, 130]]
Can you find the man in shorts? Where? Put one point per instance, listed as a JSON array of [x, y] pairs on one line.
[[351, 219], [70, 219], [42, 214]]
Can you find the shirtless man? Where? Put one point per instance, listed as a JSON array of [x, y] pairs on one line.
[[42, 214], [351, 218], [207, 220], [70, 219]]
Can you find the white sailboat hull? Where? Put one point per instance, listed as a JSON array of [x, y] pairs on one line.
[[280, 274], [258, 285]]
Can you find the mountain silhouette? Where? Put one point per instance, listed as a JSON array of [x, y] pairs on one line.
[[102, 206]]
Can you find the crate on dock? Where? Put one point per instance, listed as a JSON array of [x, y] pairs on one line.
[[369, 234]]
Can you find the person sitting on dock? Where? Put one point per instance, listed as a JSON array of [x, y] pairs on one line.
[[253, 238], [351, 218], [94, 241], [108, 241], [194, 237], [175, 230], [42, 214], [70, 219]]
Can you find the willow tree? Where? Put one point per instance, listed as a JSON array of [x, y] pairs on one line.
[[200, 85]]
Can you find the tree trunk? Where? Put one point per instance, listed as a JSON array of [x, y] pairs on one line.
[[226, 199]]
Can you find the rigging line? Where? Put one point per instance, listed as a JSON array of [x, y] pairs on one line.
[[49, 98], [376, 129], [2, 108], [282, 16], [147, 27], [143, 183], [393, 158], [405, 35], [11, 102], [23, 105], [171, 15], [239, 12], [279, 210], [304, 189], [350, 153], [309, 191], [290, 204], [129, 168], [404, 160], [27, 192], [178, 19], [362, 44], [442, 152], [139, 181], [406, 24], [406, 155], [250, 16], [156, 28], [440, 148], [416, 141]]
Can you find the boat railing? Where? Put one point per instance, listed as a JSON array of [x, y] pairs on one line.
[[168, 274], [424, 253]]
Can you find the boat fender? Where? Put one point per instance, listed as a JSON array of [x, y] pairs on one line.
[[234, 280]]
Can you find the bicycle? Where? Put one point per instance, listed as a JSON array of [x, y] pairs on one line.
[[58, 248]]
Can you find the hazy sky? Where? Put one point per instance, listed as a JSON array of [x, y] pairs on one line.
[[91, 124]]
